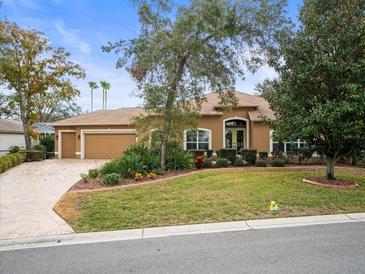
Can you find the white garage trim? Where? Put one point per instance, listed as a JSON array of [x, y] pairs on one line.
[[60, 140], [102, 131]]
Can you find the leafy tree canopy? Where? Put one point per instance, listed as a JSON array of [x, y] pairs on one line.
[[183, 52], [320, 94], [36, 74]]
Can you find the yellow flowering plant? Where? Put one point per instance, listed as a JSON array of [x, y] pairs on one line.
[[152, 175], [138, 176]]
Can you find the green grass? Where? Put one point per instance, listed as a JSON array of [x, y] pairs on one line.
[[215, 196]]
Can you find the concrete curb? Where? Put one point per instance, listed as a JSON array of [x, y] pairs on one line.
[[155, 232]]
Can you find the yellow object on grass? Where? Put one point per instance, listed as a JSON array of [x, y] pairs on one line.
[[273, 206]]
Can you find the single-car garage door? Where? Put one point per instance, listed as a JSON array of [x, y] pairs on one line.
[[69, 145], [107, 146]]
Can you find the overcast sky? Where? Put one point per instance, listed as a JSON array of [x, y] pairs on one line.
[[83, 26]]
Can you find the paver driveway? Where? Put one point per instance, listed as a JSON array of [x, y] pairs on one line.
[[29, 191]]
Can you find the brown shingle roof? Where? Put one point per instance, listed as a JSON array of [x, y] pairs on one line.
[[119, 116], [123, 116], [260, 105], [11, 126]]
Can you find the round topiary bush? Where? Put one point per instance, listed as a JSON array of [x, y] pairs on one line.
[[222, 162]]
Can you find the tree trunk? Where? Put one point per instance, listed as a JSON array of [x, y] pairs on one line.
[[330, 173], [103, 99], [106, 99], [28, 141], [163, 153], [92, 100]]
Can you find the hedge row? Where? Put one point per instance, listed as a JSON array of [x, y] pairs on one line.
[[10, 160]]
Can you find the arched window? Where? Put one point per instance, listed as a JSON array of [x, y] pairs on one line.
[[198, 139]]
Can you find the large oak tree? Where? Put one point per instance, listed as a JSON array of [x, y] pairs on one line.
[[183, 52]]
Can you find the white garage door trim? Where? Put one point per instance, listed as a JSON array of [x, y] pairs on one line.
[[59, 152], [102, 131]]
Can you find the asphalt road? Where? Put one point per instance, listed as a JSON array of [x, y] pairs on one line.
[[335, 248]]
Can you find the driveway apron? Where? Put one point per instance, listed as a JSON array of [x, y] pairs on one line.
[[29, 191]]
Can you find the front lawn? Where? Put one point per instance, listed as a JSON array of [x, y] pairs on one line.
[[211, 196]]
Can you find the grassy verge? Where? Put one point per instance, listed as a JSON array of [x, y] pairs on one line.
[[216, 196]]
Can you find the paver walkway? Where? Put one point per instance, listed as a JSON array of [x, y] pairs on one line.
[[28, 193]]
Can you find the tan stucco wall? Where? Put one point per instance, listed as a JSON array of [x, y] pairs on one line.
[[258, 131], [215, 124], [260, 137]]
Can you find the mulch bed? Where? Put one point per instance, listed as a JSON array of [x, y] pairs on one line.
[[323, 181], [96, 184]]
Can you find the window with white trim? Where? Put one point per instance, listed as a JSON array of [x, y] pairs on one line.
[[286, 147], [197, 139]]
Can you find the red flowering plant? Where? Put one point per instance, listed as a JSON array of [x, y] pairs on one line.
[[199, 162]]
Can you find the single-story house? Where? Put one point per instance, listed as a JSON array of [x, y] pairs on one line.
[[12, 134], [106, 133]]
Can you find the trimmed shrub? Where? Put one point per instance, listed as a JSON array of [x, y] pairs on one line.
[[277, 163], [208, 163], [5, 164], [93, 173], [209, 153], [14, 149], [177, 158], [222, 162], [261, 163], [249, 155], [40, 147], [239, 162], [10, 160], [227, 153], [85, 177], [13, 158], [33, 155], [263, 155], [111, 179]]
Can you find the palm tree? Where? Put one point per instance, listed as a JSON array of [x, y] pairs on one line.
[[92, 86], [105, 86]]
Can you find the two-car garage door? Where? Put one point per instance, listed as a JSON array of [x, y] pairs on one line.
[[107, 146]]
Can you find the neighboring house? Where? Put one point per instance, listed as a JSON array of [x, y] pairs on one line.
[[11, 134], [43, 129], [106, 133]]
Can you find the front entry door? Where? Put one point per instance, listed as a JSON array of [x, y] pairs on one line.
[[235, 138]]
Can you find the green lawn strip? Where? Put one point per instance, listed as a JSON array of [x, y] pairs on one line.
[[216, 196]]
